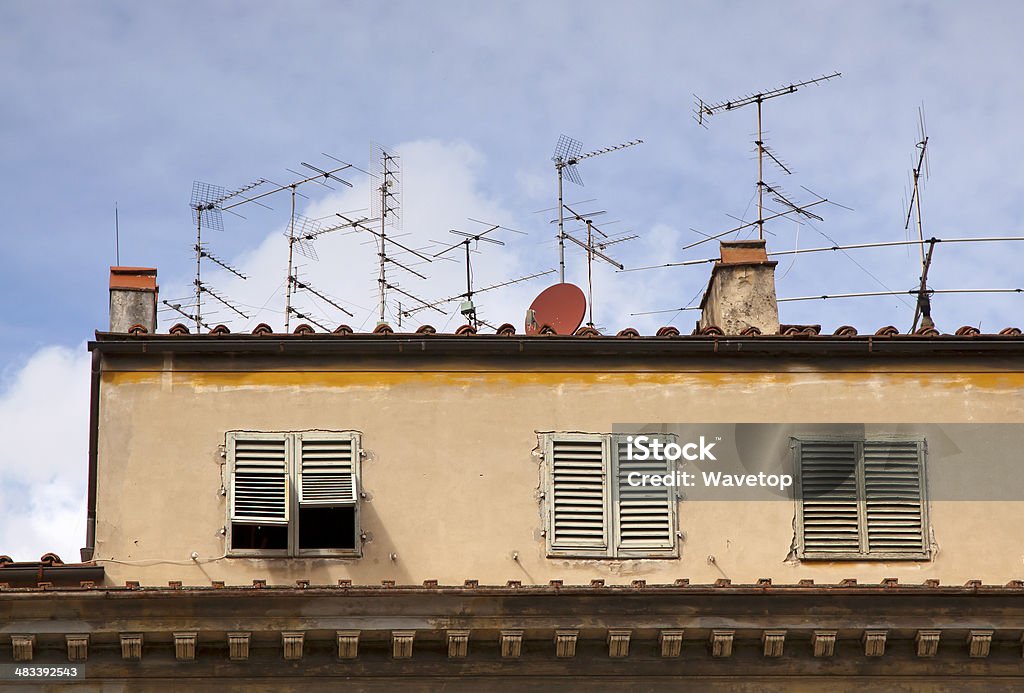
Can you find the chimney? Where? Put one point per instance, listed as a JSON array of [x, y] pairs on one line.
[[133, 293], [741, 291]]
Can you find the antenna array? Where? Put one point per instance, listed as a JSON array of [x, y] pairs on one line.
[[704, 111], [597, 242], [468, 308], [566, 156]]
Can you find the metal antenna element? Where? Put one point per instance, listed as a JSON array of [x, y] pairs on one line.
[[923, 310], [207, 203], [305, 286], [566, 156], [862, 294], [855, 246], [385, 203], [593, 248], [469, 242], [704, 111], [176, 307]]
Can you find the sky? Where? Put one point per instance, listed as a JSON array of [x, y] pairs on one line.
[[127, 104]]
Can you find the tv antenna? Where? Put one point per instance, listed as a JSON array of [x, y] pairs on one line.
[[704, 111], [597, 242], [303, 231], [208, 202], [386, 207], [387, 257], [468, 308], [923, 309], [566, 156]]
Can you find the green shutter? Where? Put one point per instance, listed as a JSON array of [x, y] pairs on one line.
[[326, 469], [646, 517], [578, 488], [829, 493], [893, 497], [259, 480]]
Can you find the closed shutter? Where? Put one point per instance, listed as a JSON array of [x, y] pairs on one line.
[[893, 497], [579, 496], [259, 482], [646, 517], [829, 493], [327, 469]]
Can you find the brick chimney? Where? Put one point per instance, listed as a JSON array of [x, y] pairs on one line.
[[741, 291], [133, 294]]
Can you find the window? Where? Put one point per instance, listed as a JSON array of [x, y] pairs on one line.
[[591, 508], [293, 494], [861, 499]]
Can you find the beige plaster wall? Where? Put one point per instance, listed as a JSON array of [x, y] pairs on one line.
[[453, 482]]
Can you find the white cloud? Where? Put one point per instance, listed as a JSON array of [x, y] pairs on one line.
[[44, 419]]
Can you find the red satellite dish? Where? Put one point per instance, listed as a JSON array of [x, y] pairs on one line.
[[560, 307]]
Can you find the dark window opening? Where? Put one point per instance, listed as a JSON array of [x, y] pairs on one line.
[[332, 527], [259, 536]]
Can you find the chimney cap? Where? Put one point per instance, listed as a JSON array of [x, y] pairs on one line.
[[133, 278]]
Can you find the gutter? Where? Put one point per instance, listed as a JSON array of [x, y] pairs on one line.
[[94, 422], [556, 345]]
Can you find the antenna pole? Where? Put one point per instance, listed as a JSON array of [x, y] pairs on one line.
[[199, 268], [289, 280], [117, 238], [590, 276], [382, 281], [561, 231], [760, 174]]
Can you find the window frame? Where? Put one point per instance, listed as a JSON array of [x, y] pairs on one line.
[[293, 441], [863, 529], [612, 518]]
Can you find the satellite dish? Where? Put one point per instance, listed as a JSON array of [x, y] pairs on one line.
[[560, 307]]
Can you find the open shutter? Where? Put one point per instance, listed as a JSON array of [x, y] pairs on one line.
[[259, 480], [578, 494], [893, 497], [829, 492], [327, 469], [646, 514]]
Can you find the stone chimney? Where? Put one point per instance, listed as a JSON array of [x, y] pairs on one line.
[[133, 293], [741, 292]]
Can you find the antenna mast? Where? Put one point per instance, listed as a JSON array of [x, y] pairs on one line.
[[208, 203], [594, 247], [386, 205], [923, 310], [468, 308], [704, 111], [566, 156]]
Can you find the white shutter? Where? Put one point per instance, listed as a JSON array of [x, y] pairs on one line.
[[578, 489], [259, 480], [893, 497], [646, 514], [327, 468], [829, 493]]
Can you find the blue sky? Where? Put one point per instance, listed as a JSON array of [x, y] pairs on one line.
[[131, 102]]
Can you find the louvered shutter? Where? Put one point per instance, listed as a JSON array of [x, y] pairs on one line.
[[259, 480], [578, 493], [327, 469], [829, 493], [893, 497], [645, 514]]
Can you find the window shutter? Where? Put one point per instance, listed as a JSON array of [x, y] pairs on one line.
[[893, 497], [646, 517], [579, 496], [327, 469], [259, 483], [829, 493]]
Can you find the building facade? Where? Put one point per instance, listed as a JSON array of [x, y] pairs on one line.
[[430, 509]]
